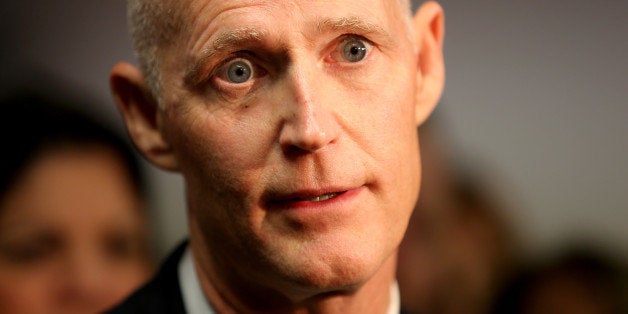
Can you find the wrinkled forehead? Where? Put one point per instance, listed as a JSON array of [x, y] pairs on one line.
[[200, 14]]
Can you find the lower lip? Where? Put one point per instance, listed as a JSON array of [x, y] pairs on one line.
[[335, 203]]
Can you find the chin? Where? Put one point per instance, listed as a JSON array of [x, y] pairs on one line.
[[336, 266]]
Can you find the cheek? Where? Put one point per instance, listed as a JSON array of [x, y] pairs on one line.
[[391, 136], [223, 156], [217, 142], [383, 97], [385, 116], [24, 293]]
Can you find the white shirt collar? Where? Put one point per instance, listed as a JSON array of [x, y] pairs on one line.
[[395, 305], [195, 302], [194, 299]]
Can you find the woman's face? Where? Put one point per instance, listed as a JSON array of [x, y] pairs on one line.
[[72, 235]]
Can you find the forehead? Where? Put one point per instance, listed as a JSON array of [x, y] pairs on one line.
[[206, 17], [269, 7]]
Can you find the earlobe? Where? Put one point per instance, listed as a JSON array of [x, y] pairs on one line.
[[140, 113], [429, 27]]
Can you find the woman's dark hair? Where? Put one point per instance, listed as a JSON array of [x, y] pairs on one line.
[[31, 124]]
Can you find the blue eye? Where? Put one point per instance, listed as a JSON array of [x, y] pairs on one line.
[[239, 71], [354, 50]]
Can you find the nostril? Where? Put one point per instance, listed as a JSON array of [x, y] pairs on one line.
[[304, 140], [292, 152]]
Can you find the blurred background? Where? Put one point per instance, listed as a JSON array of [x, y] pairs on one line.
[[535, 106]]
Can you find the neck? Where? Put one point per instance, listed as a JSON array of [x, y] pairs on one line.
[[372, 296]]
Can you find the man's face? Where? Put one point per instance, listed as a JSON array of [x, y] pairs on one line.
[[293, 123]]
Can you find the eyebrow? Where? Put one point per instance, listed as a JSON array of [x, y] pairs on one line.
[[358, 26], [352, 24]]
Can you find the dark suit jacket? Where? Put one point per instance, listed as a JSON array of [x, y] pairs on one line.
[[161, 295]]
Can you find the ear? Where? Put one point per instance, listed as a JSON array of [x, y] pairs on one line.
[[141, 115], [429, 28]]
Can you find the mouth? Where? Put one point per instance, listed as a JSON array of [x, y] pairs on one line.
[[317, 198], [316, 209], [305, 199]]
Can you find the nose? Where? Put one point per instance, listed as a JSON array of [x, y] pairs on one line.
[[310, 120], [84, 285]]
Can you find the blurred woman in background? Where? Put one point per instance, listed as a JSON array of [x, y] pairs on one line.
[[73, 234]]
